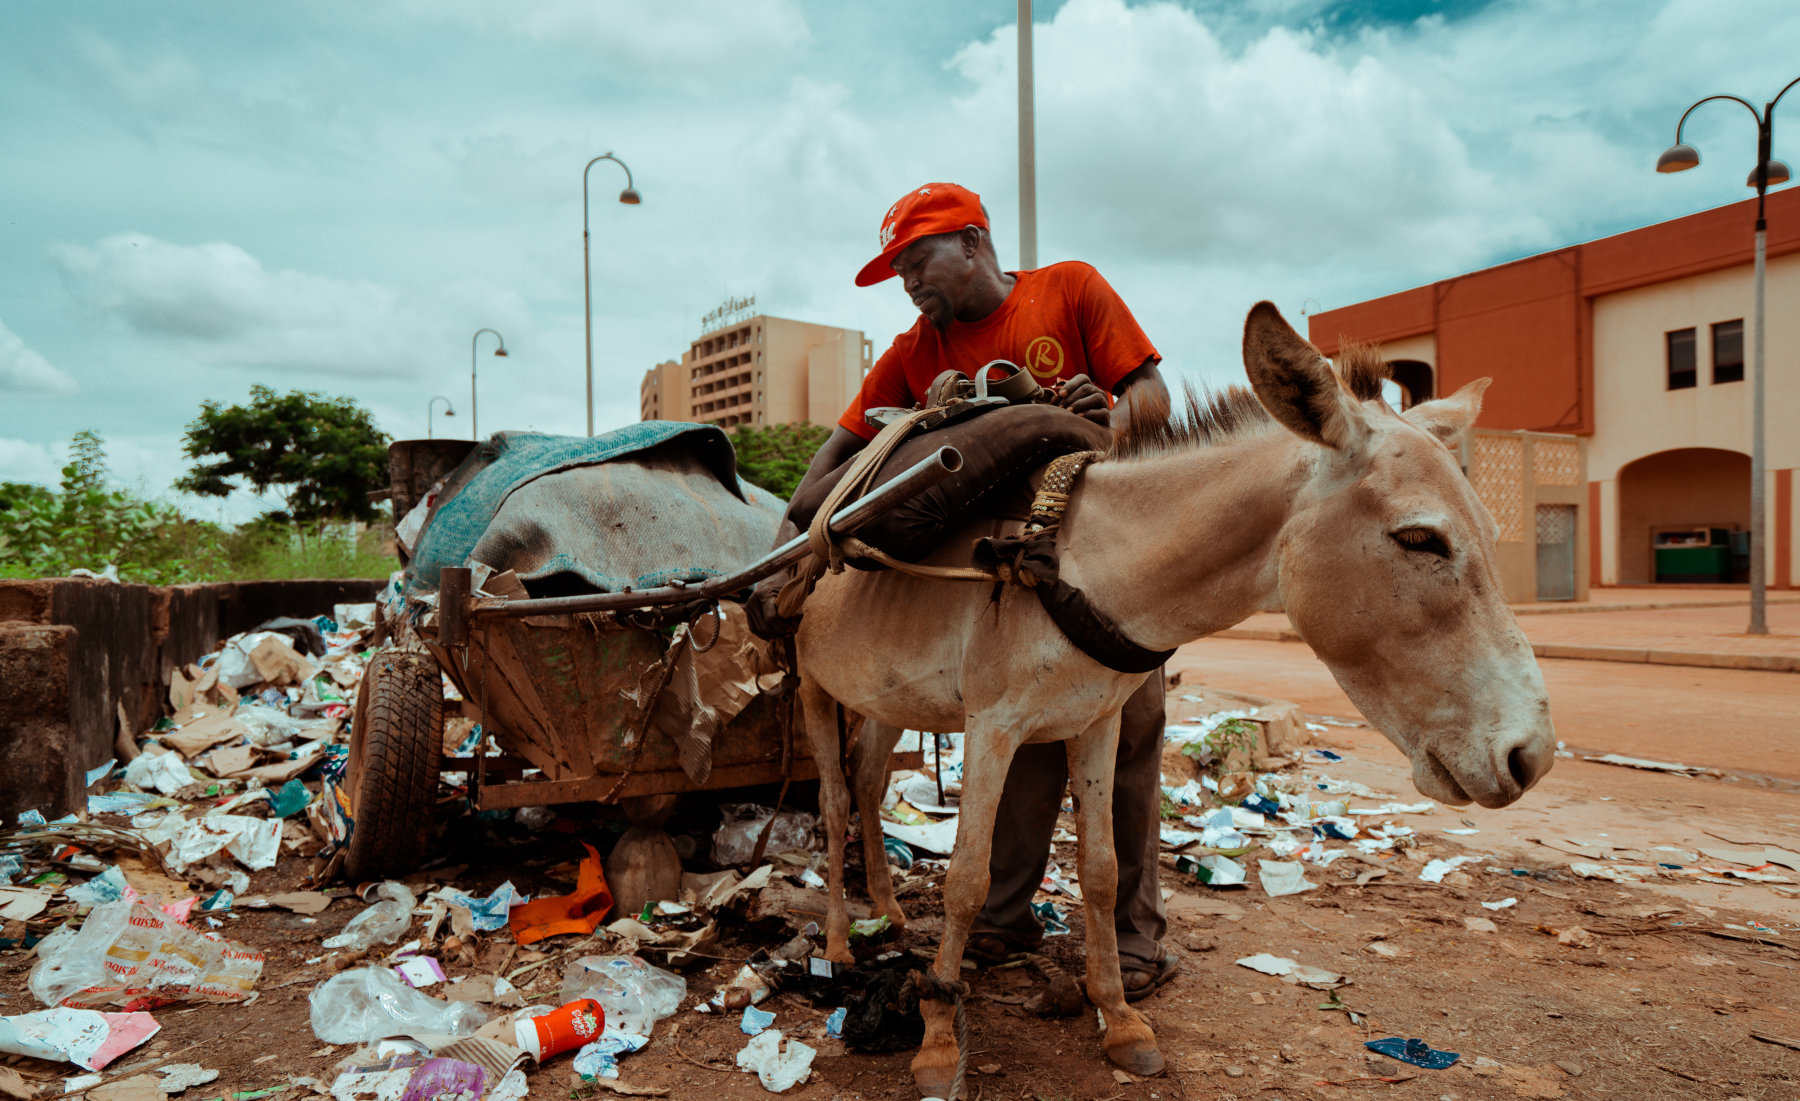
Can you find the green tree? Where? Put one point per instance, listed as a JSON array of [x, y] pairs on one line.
[[320, 455], [84, 523], [776, 457]]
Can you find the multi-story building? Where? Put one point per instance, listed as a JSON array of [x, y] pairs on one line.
[[1637, 345], [759, 371]]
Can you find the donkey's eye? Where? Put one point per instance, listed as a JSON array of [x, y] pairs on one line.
[[1422, 540]]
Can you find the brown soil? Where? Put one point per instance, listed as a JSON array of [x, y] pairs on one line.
[[1664, 1004]]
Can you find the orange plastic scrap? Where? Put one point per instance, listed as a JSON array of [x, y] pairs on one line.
[[576, 913]]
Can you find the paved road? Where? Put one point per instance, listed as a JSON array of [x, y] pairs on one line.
[[1720, 718]]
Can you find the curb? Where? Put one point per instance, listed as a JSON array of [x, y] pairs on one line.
[[1704, 659]]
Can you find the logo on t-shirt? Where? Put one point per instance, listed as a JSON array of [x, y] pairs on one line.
[[1044, 357]]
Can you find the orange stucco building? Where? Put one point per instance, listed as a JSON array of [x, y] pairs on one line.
[[1639, 344]]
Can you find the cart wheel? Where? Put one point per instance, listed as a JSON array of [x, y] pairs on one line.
[[395, 742]]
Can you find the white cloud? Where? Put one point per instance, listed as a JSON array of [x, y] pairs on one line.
[[25, 461], [221, 303], [697, 41], [23, 371]]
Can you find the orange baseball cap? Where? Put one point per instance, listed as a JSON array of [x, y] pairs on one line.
[[923, 212]]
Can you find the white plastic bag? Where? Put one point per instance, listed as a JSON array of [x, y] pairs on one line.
[[383, 923], [776, 1069], [734, 842], [255, 842], [365, 1004], [634, 994], [135, 956], [162, 772]]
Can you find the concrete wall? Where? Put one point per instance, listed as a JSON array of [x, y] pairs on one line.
[[74, 652]]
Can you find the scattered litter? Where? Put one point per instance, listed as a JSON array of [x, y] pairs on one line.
[[1434, 871], [367, 1003], [1293, 973], [383, 923], [1654, 766], [1283, 878], [934, 837], [565, 1028], [635, 994], [734, 842], [777, 1069], [1417, 1052], [420, 971], [1052, 919], [177, 1077], [1480, 925], [600, 1059], [130, 955], [576, 913], [1213, 870], [87, 1038], [1501, 905], [756, 1020]]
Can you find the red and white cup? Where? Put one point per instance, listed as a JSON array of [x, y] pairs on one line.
[[565, 1029]]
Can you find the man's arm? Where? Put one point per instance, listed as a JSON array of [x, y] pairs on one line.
[[1142, 393], [833, 453], [765, 620]]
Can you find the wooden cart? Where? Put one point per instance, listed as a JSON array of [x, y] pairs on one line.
[[549, 678]]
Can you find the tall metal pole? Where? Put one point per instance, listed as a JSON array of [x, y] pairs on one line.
[[1759, 471], [1027, 146], [474, 410], [629, 197], [1679, 158]]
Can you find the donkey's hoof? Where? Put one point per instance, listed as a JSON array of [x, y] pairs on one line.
[[934, 1070], [1140, 1057], [839, 953]]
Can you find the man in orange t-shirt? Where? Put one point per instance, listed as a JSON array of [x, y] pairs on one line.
[[1071, 330]]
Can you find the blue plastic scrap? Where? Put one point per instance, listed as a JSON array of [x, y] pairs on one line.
[[834, 1024], [1052, 919], [1261, 804], [755, 1020], [1415, 1051]]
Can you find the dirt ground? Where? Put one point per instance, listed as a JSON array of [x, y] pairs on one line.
[[1653, 990]]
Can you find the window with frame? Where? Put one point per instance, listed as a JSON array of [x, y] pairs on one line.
[[1728, 351], [1682, 371]]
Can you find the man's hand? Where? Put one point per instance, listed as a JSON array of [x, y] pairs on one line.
[[1080, 396], [765, 621]]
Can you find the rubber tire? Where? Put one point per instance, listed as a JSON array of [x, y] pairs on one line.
[[395, 743]]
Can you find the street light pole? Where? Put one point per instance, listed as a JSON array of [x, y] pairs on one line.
[[432, 404], [1027, 146], [1680, 158], [474, 411], [629, 197]]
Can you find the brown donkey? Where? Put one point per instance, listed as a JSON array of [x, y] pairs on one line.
[[1354, 518]]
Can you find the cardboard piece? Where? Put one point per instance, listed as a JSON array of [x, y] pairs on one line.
[[279, 664], [203, 725], [23, 903]]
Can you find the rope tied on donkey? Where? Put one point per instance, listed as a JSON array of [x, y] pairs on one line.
[[956, 992], [829, 552]]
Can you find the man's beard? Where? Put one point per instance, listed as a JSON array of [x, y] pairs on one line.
[[939, 317]]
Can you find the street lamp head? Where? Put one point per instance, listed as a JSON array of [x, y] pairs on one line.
[[448, 412], [500, 351], [1678, 158], [1778, 174], [630, 197]]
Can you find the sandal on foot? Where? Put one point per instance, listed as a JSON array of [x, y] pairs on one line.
[[991, 949], [1145, 977]]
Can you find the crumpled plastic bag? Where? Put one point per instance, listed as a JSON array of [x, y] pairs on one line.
[[135, 956], [84, 1037], [734, 842], [162, 772], [255, 842], [383, 923], [776, 1069], [366, 1004], [635, 994]]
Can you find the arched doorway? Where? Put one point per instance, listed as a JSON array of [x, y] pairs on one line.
[[1686, 489], [1413, 379]]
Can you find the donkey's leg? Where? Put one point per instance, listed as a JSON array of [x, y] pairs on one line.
[[834, 803], [869, 774], [987, 755], [1129, 1041]]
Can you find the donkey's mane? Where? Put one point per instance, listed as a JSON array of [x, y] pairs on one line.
[[1209, 417]]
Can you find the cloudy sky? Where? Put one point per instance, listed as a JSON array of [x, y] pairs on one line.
[[334, 195]]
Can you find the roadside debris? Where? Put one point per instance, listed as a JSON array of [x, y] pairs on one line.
[[85, 1037], [1415, 1051]]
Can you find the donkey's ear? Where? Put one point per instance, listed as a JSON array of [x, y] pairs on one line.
[[1449, 419], [1296, 384]]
